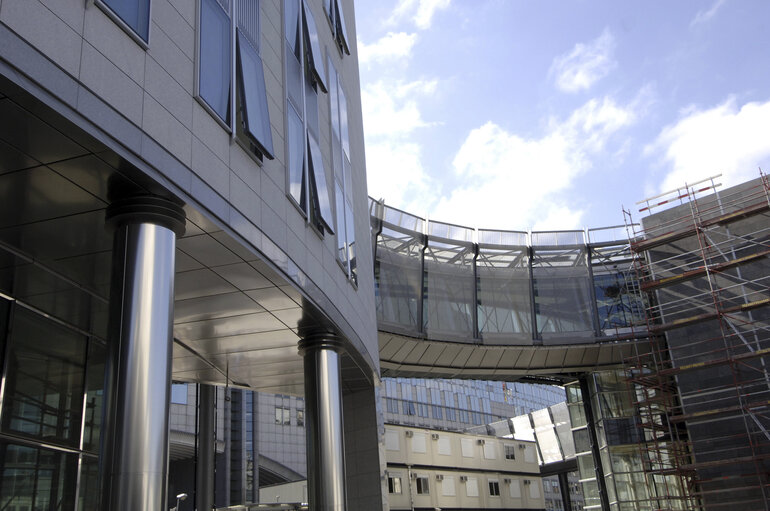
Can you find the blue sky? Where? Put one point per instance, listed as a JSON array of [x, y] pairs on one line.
[[540, 114]]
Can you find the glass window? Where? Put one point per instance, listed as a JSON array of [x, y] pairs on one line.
[[300, 417], [35, 478], [179, 393], [341, 31], [253, 95], [313, 51], [214, 58], [134, 13], [44, 384], [321, 203], [494, 488], [422, 486], [296, 157], [394, 484], [510, 452]]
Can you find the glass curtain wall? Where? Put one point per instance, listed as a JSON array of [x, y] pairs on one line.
[[622, 448], [449, 285], [50, 415]]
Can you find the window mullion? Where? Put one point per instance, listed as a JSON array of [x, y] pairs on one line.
[[303, 71], [233, 56]]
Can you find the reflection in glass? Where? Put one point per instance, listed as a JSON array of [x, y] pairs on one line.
[[321, 202], [214, 60], [448, 291], [36, 479], [44, 384], [253, 95], [94, 398], [351, 240], [296, 158], [313, 48], [618, 301], [134, 13]]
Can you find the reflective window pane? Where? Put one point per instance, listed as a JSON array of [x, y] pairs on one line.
[[313, 48], [214, 73], [92, 423], [44, 384], [291, 7], [296, 138], [342, 31], [351, 235], [251, 77], [344, 123], [320, 188], [134, 13], [36, 479], [340, 208]]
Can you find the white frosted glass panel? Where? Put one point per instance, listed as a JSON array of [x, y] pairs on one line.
[[466, 444], [444, 446], [418, 443], [391, 440], [448, 486], [472, 487], [490, 450]]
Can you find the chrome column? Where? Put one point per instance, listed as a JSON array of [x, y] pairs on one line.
[[323, 423], [204, 463], [134, 461]]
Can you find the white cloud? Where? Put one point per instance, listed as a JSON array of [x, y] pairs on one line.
[[724, 139], [704, 16], [511, 181], [420, 12], [393, 160], [585, 64], [390, 109], [392, 46]]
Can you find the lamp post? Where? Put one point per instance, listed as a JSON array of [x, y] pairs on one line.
[[180, 497]]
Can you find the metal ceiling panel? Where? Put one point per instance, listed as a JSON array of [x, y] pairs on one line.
[[197, 283], [243, 276], [272, 298], [38, 194], [234, 343], [212, 307], [33, 137], [11, 159], [223, 327], [207, 250]]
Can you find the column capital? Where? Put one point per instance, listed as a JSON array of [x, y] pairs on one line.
[[151, 209], [321, 341]]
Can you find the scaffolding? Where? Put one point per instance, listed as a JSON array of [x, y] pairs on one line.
[[703, 387]]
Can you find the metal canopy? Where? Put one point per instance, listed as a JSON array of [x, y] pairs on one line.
[[236, 319]]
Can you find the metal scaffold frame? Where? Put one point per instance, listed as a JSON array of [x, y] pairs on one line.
[[703, 388]]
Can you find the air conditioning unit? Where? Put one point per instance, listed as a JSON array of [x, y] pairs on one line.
[[439, 477], [413, 476], [522, 446], [527, 481], [507, 480], [409, 434], [463, 478], [434, 436], [480, 441]]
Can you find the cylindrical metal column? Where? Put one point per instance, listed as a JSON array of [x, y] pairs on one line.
[[204, 462], [323, 423], [134, 464]]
